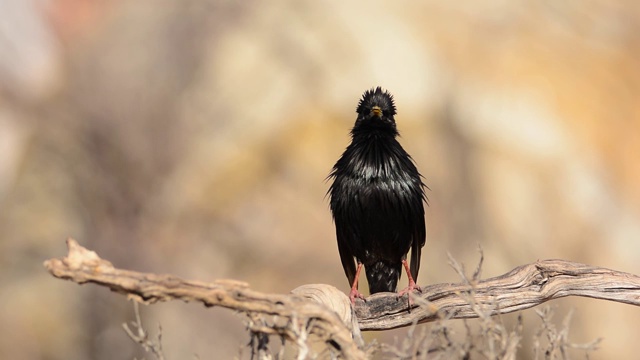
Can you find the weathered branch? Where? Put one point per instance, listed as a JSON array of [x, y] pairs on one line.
[[325, 311], [299, 313], [521, 288]]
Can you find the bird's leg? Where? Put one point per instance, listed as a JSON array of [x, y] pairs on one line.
[[354, 288], [412, 284]]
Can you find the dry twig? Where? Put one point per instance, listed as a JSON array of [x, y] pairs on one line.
[[141, 336]]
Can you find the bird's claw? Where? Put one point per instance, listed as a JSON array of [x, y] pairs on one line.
[[408, 290], [355, 294]]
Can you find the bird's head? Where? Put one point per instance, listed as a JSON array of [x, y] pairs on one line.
[[376, 110]]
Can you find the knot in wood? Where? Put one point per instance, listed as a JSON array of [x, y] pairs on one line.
[[328, 296]]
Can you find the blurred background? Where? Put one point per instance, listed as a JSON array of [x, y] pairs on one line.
[[195, 137]]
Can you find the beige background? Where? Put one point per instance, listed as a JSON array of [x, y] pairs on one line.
[[194, 138]]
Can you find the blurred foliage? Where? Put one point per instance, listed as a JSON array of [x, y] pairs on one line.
[[195, 137]]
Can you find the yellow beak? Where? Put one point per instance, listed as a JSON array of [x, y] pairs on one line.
[[376, 111]]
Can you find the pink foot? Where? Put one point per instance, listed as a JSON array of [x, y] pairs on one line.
[[354, 287], [412, 286], [408, 290], [355, 294]]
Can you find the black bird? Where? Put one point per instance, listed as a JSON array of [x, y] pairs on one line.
[[377, 199]]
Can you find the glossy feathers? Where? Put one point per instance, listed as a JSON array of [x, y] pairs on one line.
[[377, 197]]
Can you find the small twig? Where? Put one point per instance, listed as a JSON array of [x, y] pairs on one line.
[[557, 340], [142, 337], [478, 271]]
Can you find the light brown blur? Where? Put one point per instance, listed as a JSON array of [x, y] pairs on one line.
[[185, 138]]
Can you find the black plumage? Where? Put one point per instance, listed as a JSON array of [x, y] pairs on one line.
[[377, 199]]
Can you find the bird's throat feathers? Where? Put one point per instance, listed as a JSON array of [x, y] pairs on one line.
[[375, 156], [373, 130]]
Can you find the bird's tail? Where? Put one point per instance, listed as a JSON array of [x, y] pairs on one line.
[[383, 277]]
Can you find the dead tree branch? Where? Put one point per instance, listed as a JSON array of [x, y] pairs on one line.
[[325, 311], [522, 288], [298, 314]]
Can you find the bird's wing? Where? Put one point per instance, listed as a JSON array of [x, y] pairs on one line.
[[346, 256], [419, 239]]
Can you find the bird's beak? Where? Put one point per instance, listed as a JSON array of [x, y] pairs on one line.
[[376, 111]]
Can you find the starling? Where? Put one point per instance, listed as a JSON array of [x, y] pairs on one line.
[[376, 200]]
